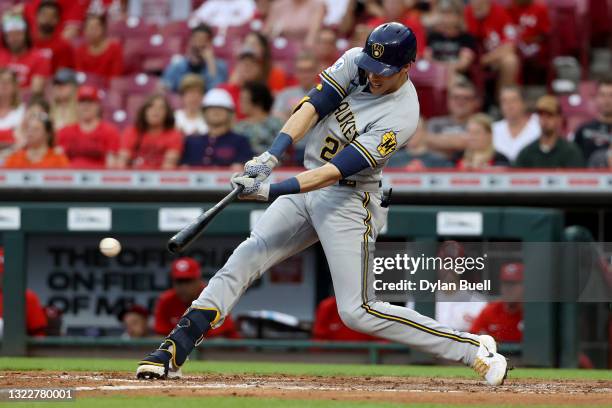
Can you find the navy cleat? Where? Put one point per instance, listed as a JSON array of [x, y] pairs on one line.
[[166, 361]]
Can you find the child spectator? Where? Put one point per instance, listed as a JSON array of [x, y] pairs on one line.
[[64, 98], [11, 110], [258, 125], [187, 284], [479, 152], [92, 142], [447, 134], [220, 146], [39, 151], [190, 119], [550, 150], [416, 156], [135, 320], [32, 66], [597, 134], [504, 319], [47, 35], [495, 34], [449, 43], [153, 143], [99, 55], [199, 59], [298, 20]]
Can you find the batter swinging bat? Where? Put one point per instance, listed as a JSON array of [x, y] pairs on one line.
[[185, 237]]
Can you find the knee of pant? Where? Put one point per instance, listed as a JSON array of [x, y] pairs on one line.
[[354, 319]]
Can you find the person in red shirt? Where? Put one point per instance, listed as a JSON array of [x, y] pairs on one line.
[[504, 319], [153, 143], [394, 10], [36, 319], [72, 13], [99, 55], [329, 326], [46, 36], [493, 30], [32, 66], [92, 142], [187, 285], [38, 151]]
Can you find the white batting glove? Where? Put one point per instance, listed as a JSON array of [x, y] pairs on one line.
[[253, 189], [260, 167]]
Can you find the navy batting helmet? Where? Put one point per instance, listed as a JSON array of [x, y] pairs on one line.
[[389, 47]]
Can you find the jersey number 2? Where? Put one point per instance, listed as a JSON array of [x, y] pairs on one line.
[[330, 149]]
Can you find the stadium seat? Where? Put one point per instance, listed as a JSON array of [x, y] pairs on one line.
[[178, 29], [577, 109], [151, 54], [135, 84], [284, 53], [430, 80], [571, 27], [132, 27]]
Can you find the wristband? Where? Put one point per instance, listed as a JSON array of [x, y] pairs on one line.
[[280, 145], [289, 186]]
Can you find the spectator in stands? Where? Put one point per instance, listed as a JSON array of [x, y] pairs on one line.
[[447, 134], [328, 326], [47, 36], [153, 142], [550, 150], [220, 146], [258, 125], [39, 151], [99, 55], [11, 110], [298, 20], [449, 43], [135, 320], [72, 15], [518, 128], [273, 75], [393, 10], [597, 134], [416, 156], [326, 51], [190, 119], [532, 22], [114, 10], [479, 152], [64, 98], [495, 34], [504, 319], [601, 159], [187, 284], [306, 73], [92, 142], [32, 66], [199, 59], [159, 12], [36, 319], [224, 13]]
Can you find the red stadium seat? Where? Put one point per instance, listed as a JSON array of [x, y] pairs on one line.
[[577, 109], [151, 54], [430, 80], [132, 27], [284, 53], [571, 29], [135, 84], [178, 29]]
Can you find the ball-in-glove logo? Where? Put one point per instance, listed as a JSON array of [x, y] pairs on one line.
[[377, 50], [388, 143]]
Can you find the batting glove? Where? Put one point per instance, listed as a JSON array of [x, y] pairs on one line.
[[260, 167], [254, 189]]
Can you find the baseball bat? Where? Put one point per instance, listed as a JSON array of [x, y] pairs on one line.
[[185, 237]]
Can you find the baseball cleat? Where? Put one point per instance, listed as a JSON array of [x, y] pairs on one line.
[[490, 365], [159, 365]]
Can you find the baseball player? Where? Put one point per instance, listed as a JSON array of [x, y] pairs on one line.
[[364, 109]]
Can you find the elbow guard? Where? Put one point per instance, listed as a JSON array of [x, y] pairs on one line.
[[324, 98]]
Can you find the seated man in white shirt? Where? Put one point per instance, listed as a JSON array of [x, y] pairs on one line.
[[518, 128]]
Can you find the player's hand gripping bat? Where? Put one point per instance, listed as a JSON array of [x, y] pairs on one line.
[[185, 237]]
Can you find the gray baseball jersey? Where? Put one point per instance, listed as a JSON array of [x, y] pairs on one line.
[[346, 219], [376, 125]]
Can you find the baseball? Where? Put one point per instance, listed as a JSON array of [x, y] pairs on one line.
[[110, 247]]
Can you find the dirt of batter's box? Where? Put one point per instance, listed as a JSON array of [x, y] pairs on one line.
[[391, 389]]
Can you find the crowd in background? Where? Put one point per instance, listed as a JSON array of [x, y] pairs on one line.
[[155, 84]]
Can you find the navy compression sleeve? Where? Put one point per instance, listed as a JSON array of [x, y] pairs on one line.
[[349, 161]]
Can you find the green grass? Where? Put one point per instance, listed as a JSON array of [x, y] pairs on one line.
[[242, 367], [238, 402]]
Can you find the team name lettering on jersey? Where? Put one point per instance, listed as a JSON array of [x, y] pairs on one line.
[[346, 120]]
